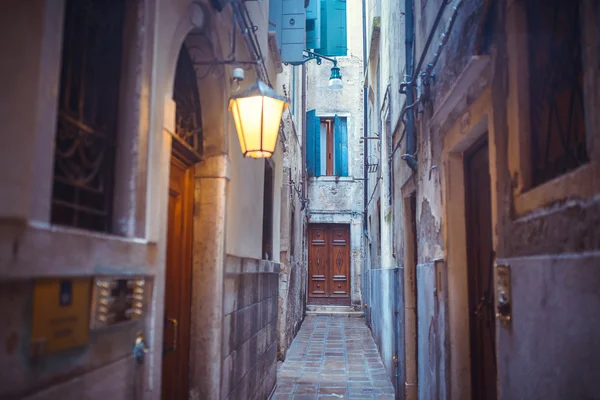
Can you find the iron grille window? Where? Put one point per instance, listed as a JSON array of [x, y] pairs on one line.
[[87, 114], [188, 117], [558, 142]]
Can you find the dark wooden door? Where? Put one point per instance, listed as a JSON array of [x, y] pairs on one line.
[[176, 339], [329, 264], [480, 258]]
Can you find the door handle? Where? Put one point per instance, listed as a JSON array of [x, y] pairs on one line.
[[175, 333]]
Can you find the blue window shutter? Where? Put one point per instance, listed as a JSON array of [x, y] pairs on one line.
[[293, 30], [313, 144], [337, 35], [313, 25], [340, 137], [317, 130], [323, 27], [333, 28], [275, 19]]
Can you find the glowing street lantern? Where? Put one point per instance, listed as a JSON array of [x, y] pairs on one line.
[[257, 114]]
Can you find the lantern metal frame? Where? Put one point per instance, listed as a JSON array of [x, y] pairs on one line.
[[258, 89]]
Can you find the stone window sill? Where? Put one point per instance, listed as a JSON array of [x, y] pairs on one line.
[[331, 179], [43, 250], [581, 183]]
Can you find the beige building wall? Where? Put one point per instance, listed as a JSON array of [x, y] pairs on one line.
[[340, 200], [228, 204]]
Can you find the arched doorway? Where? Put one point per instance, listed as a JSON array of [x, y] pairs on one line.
[[186, 148]]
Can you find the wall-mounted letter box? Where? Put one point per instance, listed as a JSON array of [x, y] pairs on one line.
[[116, 300]]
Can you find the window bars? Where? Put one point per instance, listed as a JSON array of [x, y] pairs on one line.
[[558, 137]]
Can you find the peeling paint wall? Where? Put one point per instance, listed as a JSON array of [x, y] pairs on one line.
[[547, 235]]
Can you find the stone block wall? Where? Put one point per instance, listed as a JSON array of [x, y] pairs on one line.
[[250, 305]]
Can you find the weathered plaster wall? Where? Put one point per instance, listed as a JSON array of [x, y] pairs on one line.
[[244, 218], [331, 194], [293, 276], [553, 250], [386, 72], [553, 243], [332, 200]]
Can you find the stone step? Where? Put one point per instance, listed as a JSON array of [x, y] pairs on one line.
[[334, 311]]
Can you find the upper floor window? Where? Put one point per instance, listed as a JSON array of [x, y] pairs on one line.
[[326, 145], [558, 137], [84, 157], [326, 31]]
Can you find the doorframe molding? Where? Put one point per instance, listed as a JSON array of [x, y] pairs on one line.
[[475, 122]]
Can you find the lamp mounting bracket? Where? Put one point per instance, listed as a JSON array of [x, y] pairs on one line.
[[232, 59], [313, 56]]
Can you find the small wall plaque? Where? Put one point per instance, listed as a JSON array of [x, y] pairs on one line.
[[60, 317]]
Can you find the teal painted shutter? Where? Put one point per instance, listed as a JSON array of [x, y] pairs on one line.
[[323, 27], [293, 30], [317, 130], [275, 15], [333, 28], [313, 25], [313, 144], [337, 35], [340, 137]]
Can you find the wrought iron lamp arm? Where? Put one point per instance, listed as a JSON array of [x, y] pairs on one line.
[[314, 56]]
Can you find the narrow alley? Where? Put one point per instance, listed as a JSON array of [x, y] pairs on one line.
[[333, 358], [299, 199]]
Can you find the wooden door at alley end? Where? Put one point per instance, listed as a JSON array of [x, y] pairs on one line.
[[329, 264], [178, 282], [480, 277]]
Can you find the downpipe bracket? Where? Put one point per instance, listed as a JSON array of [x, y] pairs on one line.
[[410, 160]]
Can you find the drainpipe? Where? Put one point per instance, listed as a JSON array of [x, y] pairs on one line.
[[411, 147], [303, 150], [366, 299], [408, 86], [385, 211]]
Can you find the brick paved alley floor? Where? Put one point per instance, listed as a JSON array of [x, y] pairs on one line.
[[333, 358]]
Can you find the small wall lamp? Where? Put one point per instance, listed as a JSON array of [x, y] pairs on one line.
[[257, 114], [335, 80]]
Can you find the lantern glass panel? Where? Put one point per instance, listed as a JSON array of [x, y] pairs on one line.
[[235, 111], [250, 117], [272, 110]]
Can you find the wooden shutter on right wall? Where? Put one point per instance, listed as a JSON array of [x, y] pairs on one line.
[[313, 144], [340, 137]]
